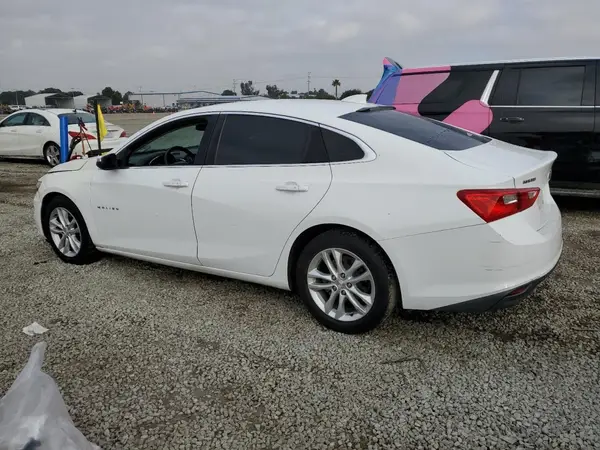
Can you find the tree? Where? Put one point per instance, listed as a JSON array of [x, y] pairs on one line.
[[50, 90], [247, 89], [14, 97], [336, 83], [322, 94], [127, 100], [274, 92], [228, 92], [108, 92], [350, 92], [369, 94], [116, 98]]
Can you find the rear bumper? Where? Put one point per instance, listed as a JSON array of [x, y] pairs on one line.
[[477, 267], [498, 301]]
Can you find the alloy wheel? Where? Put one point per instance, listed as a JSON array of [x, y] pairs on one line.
[[65, 232], [341, 284], [53, 155]]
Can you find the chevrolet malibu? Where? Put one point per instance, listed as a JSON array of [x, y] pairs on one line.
[[357, 208]]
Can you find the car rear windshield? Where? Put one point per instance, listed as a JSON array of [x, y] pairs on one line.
[[423, 130], [86, 117]]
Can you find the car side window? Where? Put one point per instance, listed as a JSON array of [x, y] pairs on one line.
[[36, 120], [262, 140], [551, 86], [15, 121], [340, 148], [175, 144]]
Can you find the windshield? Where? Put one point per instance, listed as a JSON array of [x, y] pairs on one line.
[[423, 130], [86, 117]]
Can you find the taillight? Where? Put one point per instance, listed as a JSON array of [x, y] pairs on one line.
[[123, 134], [75, 134], [495, 204]]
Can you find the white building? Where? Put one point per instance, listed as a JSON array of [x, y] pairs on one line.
[[49, 101], [82, 101]]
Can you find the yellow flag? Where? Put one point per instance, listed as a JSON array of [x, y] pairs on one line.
[[102, 131]]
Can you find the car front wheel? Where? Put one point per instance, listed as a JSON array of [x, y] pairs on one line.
[[67, 232], [346, 282]]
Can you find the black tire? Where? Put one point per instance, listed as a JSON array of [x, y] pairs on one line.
[[87, 253], [386, 291]]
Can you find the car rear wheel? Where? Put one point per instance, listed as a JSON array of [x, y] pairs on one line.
[[52, 154], [67, 232], [346, 282]]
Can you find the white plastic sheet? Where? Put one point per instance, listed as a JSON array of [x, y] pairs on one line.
[[33, 415]]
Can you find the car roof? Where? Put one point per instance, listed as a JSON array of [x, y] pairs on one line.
[[58, 111], [311, 110], [55, 111], [500, 63]]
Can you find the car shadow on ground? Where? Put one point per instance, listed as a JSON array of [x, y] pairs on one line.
[[577, 203], [32, 161]]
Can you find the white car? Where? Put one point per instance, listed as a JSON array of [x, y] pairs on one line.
[[357, 98], [35, 133], [354, 207]]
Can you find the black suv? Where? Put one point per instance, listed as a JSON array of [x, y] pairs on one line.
[[540, 104]]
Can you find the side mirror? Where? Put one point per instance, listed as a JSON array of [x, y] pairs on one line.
[[108, 162]]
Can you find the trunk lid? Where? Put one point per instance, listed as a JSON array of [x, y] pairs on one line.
[[114, 132], [528, 168]]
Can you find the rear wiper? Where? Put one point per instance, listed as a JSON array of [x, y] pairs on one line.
[[375, 108]]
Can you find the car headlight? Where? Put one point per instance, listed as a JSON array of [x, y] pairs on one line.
[[38, 184]]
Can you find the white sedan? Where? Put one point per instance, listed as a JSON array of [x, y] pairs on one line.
[[356, 208], [35, 133]]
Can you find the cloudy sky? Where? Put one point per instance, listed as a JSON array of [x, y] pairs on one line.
[[206, 44]]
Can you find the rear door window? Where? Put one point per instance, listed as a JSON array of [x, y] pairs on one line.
[[425, 131], [261, 140], [36, 120], [551, 86]]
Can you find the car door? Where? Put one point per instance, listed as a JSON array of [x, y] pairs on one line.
[[32, 134], [9, 136], [549, 106], [144, 208], [266, 174]]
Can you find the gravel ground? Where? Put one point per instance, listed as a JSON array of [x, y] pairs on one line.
[[157, 358]]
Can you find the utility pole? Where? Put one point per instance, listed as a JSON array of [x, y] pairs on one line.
[[233, 86], [308, 82]]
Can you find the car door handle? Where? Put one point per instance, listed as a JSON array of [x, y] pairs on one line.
[[38, 131], [13, 131], [291, 186], [175, 184], [512, 119]]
